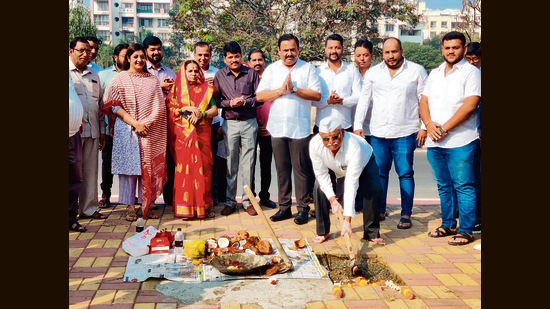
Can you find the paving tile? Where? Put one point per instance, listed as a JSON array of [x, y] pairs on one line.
[[84, 262], [145, 306], [125, 296], [443, 292], [447, 279], [423, 292], [464, 279], [103, 297], [102, 262]]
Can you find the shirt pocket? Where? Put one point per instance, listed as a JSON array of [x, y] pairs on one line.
[[247, 89]]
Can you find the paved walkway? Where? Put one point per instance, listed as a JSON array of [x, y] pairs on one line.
[[440, 275]]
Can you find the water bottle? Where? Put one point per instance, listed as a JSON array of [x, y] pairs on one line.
[[140, 224], [178, 244]]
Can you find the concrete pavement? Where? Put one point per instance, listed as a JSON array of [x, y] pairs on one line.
[[440, 275]]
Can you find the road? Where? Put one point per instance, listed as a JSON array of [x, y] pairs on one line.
[[425, 186]]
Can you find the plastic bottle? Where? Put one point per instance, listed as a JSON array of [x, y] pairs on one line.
[[140, 224], [178, 244]]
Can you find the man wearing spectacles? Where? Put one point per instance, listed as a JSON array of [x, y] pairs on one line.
[[343, 164], [90, 92]]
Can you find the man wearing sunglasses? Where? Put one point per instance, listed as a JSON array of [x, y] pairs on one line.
[[343, 164]]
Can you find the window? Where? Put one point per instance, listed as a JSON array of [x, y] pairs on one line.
[[128, 22], [162, 8], [453, 25], [164, 37], [161, 23], [127, 5], [103, 35], [146, 22], [103, 6], [145, 8], [389, 28], [101, 20], [444, 24]]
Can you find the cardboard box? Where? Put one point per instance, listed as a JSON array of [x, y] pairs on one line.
[[159, 245], [138, 244]]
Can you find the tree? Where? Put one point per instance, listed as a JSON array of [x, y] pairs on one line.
[[426, 55], [259, 23], [471, 19], [80, 23]]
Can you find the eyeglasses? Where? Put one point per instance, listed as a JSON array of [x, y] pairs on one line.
[[333, 138], [472, 59], [83, 50]]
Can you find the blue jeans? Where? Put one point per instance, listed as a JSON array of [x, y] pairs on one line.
[[454, 170], [401, 152]]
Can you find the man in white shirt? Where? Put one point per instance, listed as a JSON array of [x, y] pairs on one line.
[[393, 88], [202, 53], [448, 109], [341, 85], [343, 165], [291, 84], [88, 88]]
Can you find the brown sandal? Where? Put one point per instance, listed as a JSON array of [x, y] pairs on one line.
[[152, 215], [210, 213], [131, 215], [95, 215]]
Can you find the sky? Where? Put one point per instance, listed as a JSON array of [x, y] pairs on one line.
[[443, 4]]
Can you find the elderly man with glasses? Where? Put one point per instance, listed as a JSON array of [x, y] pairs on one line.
[[344, 163]]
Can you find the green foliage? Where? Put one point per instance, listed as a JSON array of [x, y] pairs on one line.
[[259, 23], [426, 55], [80, 23]]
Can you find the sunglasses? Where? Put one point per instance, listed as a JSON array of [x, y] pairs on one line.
[[333, 138]]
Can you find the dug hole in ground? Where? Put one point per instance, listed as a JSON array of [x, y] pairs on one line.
[[284, 293]]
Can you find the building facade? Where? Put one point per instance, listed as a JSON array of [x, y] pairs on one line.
[[123, 19]]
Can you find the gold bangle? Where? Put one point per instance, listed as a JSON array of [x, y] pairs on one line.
[[427, 123]]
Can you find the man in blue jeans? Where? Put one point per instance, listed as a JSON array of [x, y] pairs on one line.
[[393, 87], [448, 110]]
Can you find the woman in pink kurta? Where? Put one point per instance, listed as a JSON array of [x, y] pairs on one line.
[[137, 114]]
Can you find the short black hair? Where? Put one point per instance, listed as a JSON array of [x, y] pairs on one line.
[[286, 37], [473, 49], [81, 39], [232, 47], [335, 37], [453, 35], [120, 47], [151, 40], [364, 43], [93, 39], [255, 50], [202, 44]]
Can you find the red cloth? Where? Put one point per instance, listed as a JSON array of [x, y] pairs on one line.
[[190, 148]]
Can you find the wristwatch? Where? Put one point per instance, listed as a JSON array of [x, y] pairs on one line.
[[294, 89]]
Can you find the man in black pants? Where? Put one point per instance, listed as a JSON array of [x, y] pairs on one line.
[[343, 164]]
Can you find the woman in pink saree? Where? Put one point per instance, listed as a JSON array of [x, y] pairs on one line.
[[191, 107]]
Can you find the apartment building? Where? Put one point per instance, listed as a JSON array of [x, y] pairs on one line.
[[123, 19], [437, 22]]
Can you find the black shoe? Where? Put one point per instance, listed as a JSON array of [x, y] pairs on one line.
[[477, 229], [227, 210], [302, 217], [268, 203], [281, 215]]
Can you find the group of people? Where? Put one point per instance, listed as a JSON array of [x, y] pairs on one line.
[[189, 135]]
